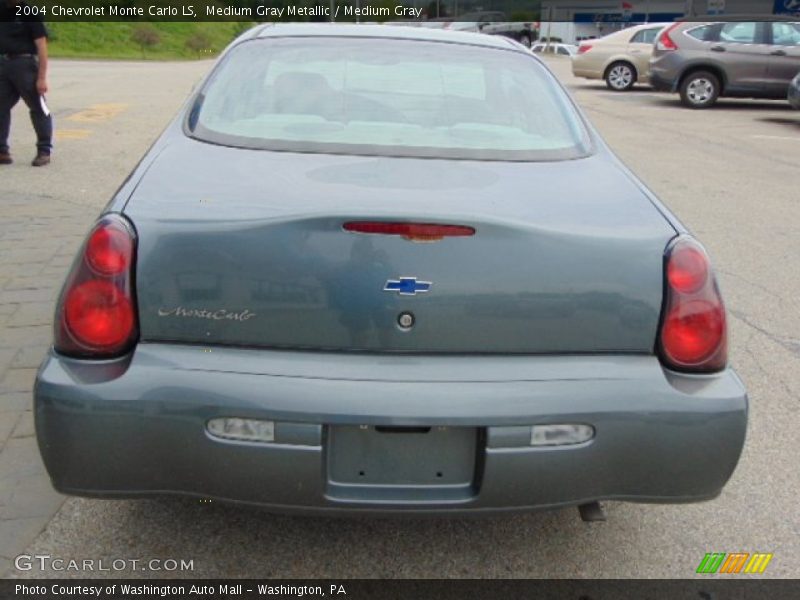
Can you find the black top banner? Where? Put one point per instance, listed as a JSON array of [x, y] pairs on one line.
[[380, 11]]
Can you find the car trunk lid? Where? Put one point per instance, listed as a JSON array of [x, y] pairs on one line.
[[249, 248]]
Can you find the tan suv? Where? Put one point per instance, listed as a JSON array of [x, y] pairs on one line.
[[703, 61], [621, 58]]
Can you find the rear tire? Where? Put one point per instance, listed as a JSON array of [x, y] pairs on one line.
[[620, 76], [525, 40], [699, 89]]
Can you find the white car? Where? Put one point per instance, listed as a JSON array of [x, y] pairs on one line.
[[554, 48]]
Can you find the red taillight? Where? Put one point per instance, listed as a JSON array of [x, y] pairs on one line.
[[687, 270], [694, 332], [584, 48], [421, 232], [665, 42], [109, 250], [96, 315]]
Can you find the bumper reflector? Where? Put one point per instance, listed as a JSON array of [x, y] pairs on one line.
[[245, 430], [561, 434]]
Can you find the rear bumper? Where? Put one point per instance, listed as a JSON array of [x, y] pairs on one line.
[[665, 70], [583, 67], [663, 83], [137, 426], [794, 94], [585, 72]]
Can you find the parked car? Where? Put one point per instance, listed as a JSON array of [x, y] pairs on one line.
[[436, 23], [554, 48], [794, 92], [325, 293], [495, 23], [746, 59], [621, 58]]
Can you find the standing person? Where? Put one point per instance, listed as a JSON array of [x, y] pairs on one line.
[[23, 74]]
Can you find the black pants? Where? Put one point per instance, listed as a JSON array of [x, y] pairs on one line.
[[18, 80]]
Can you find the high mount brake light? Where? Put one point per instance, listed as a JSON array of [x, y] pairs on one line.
[[415, 232], [693, 334], [96, 315]]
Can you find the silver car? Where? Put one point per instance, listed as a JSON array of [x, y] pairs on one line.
[[746, 59], [323, 290]]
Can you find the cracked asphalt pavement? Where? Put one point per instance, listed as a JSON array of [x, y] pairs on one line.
[[729, 173]]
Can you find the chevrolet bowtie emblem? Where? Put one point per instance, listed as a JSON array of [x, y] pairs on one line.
[[407, 286]]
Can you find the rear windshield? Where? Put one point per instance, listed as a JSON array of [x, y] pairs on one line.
[[387, 97]]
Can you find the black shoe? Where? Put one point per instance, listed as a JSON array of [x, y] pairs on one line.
[[5, 158], [41, 160]]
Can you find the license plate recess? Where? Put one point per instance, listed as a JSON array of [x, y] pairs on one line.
[[403, 464]]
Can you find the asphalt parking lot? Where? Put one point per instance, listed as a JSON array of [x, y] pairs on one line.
[[730, 173]]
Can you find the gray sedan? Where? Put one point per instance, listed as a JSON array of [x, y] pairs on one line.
[[328, 288]]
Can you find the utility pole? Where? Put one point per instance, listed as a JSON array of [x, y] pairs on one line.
[[549, 22]]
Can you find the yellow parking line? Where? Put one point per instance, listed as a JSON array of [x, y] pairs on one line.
[[98, 113], [72, 134]]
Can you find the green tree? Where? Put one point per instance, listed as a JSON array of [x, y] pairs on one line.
[[146, 36], [198, 42]]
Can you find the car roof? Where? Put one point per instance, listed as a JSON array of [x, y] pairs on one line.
[[646, 26], [707, 19], [632, 30], [273, 30]]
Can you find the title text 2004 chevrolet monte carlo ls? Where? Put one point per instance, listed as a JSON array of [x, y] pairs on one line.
[[380, 269]]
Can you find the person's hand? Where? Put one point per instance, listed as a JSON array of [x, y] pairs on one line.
[[41, 85]]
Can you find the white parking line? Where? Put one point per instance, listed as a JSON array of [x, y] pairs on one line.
[[777, 137]]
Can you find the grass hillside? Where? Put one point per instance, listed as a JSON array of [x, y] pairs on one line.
[[135, 41]]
